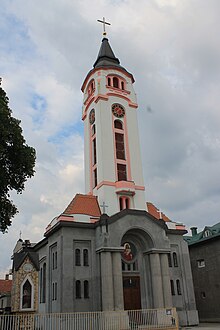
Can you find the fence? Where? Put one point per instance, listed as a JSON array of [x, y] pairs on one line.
[[116, 320]]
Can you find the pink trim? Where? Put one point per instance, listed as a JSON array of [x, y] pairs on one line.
[[119, 95], [120, 184], [100, 97], [125, 184], [90, 156], [125, 192], [89, 99], [113, 132], [133, 105], [117, 90], [93, 220], [129, 178], [127, 74], [105, 183], [140, 188], [86, 108]]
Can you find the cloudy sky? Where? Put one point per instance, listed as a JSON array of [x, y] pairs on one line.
[[172, 47]]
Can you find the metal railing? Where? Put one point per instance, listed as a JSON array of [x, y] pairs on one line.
[[112, 320]]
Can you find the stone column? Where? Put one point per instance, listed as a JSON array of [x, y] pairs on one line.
[[156, 280], [117, 281], [107, 281], [166, 280]]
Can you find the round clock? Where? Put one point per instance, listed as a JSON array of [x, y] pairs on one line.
[[28, 267], [92, 116], [118, 110]]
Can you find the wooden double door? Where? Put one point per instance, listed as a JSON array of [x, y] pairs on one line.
[[132, 292]]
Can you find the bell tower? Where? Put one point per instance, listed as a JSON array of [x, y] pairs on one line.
[[113, 167]]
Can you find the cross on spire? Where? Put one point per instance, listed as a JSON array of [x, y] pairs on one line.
[[104, 24], [103, 206]]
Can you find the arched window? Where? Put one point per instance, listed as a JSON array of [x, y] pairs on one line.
[[115, 82], [86, 289], [172, 287], [77, 257], [93, 130], [26, 295], [127, 203], [118, 124], [124, 203], [44, 283], [122, 85], [78, 289], [178, 287], [175, 261], [41, 284], [55, 260], [109, 81], [85, 257], [169, 260], [121, 203]]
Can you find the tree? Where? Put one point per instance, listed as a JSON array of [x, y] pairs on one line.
[[17, 161]]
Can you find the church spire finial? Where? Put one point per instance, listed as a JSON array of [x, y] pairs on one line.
[[104, 23]]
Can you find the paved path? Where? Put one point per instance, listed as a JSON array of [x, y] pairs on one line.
[[203, 326]]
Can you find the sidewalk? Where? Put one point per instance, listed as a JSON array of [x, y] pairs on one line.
[[203, 326]]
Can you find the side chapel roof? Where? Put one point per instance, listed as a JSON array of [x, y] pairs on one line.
[[84, 204], [27, 251], [153, 210]]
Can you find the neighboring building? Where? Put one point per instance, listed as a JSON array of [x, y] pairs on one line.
[[204, 250], [5, 295], [25, 278], [105, 251]]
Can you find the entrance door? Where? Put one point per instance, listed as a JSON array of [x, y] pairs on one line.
[[132, 293]]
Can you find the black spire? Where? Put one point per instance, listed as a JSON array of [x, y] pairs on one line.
[[106, 56]]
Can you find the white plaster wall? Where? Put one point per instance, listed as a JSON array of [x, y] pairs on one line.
[[106, 167]]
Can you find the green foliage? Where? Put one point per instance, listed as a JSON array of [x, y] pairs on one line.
[[17, 161]]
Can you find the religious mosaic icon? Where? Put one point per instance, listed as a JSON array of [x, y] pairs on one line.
[[129, 253], [118, 110], [92, 116]]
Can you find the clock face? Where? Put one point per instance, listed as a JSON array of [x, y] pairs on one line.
[[28, 267], [92, 116], [118, 110]]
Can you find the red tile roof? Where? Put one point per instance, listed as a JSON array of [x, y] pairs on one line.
[[153, 210], [5, 286], [84, 204]]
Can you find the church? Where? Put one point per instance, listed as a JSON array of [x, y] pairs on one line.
[[108, 250]]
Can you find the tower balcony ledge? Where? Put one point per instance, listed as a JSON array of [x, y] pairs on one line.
[[125, 187]]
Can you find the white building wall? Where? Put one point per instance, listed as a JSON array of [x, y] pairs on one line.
[[105, 148]]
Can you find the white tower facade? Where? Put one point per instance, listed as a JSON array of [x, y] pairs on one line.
[[113, 167]]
